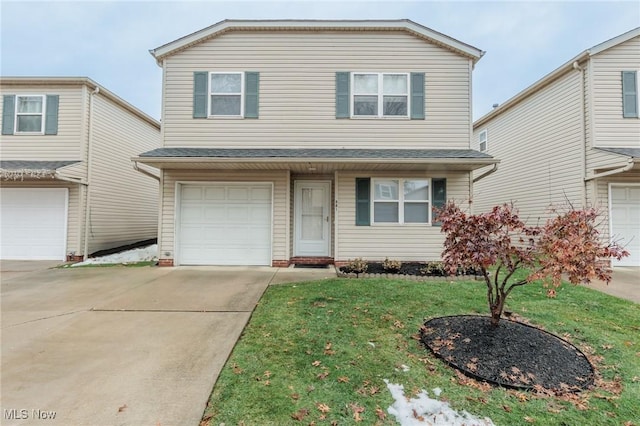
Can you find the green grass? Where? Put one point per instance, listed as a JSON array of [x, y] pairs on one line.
[[333, 342]]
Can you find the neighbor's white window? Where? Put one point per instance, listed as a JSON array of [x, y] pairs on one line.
[[226, 94], [401, 201], [30, 114], [482, 140], [380, 94]]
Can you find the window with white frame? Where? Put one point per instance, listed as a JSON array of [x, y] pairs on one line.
[[380, 94], [30, 114], [482, 141], [401, 201], [226, 94]]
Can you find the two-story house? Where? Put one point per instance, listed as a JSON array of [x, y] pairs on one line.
[[68, 188], [572, 138], [302, 141]]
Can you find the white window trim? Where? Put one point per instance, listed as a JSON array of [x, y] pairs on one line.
[[210, 94], [401, 201], [16, 131], [380, 95], [486, 141]]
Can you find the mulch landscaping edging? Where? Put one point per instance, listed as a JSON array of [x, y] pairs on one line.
[[409, 277]]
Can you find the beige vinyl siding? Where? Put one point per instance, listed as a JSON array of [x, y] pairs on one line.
[[539, 142], [124, 202], [281, 206], [297, 91], [66, 145], [611, 129], [378, 241], [598, 160], [73, 224]]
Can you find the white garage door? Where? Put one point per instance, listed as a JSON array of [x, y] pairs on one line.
[[33, 223], [625, 222], [225, 224]]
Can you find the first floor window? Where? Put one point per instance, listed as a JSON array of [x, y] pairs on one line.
[[380, 95], [29, 114], [226, 94], [401, 201]]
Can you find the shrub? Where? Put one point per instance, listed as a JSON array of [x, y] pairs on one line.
[[499, 240], [391, 265], [357, 265]]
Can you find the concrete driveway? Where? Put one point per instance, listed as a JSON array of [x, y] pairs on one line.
[[625, 283], [122, 346]]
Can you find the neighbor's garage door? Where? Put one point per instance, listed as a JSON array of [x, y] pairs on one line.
[[225, 225], [625, 221], [33, 223]]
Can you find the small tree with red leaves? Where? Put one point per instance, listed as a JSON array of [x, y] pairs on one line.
[[499, 243]]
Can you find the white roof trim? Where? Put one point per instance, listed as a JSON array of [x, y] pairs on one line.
[[402, 24], [614, 41]]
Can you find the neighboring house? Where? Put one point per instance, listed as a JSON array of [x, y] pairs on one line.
[[572, 138], [311, 141], [66, 143]]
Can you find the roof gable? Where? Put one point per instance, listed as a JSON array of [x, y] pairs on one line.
[[225, 26], [557, 73]]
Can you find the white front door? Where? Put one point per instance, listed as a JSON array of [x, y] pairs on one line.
[[312, 207]]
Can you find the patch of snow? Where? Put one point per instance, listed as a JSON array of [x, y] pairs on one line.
[[436, 391], [405, 368], [373, 345], [423, 410], [143, 254]]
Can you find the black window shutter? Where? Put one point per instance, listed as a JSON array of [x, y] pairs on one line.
[[417, 96], [363, 201], [251, 95]]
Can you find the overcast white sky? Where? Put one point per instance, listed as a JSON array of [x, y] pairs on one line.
[[109, 41]]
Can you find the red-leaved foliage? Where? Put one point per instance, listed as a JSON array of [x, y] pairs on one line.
[[501, 242]]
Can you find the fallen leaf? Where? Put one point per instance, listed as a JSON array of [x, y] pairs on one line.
[[323, 375], [236, 369], [295, 396], [121, 409], [506, 408], [343, 379], [416, 416], [529, 419], [380, 414], [323, 408], [300, 414], [267, 374], [316, 363]]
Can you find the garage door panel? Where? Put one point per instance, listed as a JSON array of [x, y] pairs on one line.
[[33, 223], [232, 226], [625, 222]]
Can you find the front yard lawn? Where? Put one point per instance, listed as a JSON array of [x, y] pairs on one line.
[[318, 353]]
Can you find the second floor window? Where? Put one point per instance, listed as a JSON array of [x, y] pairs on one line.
[[482, 141], [29, 114], [226, 94], [380, 95]]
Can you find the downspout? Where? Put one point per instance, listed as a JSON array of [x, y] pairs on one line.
[[583, 148], [144, 172], [614, 171], [87, 200], [487, 173]]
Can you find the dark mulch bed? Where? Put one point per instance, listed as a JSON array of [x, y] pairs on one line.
[[433, 269], [512, 355]]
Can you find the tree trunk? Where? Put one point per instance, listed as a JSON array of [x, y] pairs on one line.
[[496, 310]]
